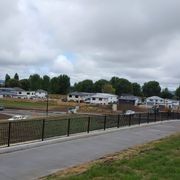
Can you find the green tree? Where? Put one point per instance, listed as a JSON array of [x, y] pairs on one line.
[[84, 86], [136, 89], [98, 85], [46, 83], [115, 82], [35, 82], [166, 94], [177, 93], [16, 76], [7, 78], [54, 88], [63, 84], [151, 88], [107, 88], [24, 84], [121, 85], [13, 83]]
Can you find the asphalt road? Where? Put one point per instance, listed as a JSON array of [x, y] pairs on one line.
[[40, 161]]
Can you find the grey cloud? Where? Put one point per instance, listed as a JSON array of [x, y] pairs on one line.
[[137, 39]]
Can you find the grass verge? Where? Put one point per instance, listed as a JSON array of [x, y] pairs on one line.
[[156, 160]]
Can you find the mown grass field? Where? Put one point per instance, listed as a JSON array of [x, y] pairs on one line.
[[153, 161], [25, 104]]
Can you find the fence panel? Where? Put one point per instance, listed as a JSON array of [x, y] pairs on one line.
[[111, 121], [4, 128], [55, 128], [97, 122], [135, 119], [165, 115], [124, 120], [22, 131], [78, 125]]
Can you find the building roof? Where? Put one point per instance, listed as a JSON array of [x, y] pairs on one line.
[[18, 89], [41, 90], [155, 97], [129, 97], [81, 94], [104, 95]]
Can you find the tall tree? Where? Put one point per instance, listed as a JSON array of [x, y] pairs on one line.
[[166, 94], [46, 83], [177, 93], [7, 78], [115, 82], [13, 83], [151, 88], [16, 76], [24, 84], [121, 85], [84, 86], [107, 88], [136, 89], [54, 88], [64, 84], [35, 82], [98, 85]]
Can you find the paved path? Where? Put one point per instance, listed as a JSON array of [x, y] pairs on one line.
[[40, 161]]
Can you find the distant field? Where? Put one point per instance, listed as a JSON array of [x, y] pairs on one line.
[[19, 103], [155, 160]]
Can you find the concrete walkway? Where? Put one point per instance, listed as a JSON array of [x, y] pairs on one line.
[[40, 161]]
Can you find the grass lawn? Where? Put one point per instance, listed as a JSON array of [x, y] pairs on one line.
[[153, 161], [25, 104]]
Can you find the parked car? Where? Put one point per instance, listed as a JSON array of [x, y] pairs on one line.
[[18, 117], [129, 112], [1, 108], [72, 110]]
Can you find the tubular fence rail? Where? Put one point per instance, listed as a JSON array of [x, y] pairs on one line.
[[13, 132]]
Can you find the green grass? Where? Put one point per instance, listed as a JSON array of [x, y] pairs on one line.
[[14, 103], [154, 161]]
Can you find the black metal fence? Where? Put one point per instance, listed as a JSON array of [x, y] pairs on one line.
[[14, 132]]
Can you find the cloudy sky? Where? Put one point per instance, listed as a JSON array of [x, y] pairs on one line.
[[134, 39]]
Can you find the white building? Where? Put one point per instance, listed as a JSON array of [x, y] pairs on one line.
[[79, 96], [129, 99], [25, 94], [103, 98], [41, 94], [154, 100]]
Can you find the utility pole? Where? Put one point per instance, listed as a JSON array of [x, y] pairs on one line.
[[47, 104]]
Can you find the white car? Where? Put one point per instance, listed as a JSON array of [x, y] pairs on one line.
[[18, 117], [129, 112]]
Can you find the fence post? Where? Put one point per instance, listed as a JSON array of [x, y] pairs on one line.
[[148, 117], [43, 126], [88, 126], [118, 122], [139, 118], [105, 122], [155, 116], [130, 120], [68, 127], [160, 114], [9, 134]]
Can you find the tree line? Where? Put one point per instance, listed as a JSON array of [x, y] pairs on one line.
[[55, 85], [116, 85]]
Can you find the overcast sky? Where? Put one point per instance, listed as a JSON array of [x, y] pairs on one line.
[[134, 39]]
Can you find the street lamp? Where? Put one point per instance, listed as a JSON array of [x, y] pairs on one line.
[[47, 104]]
